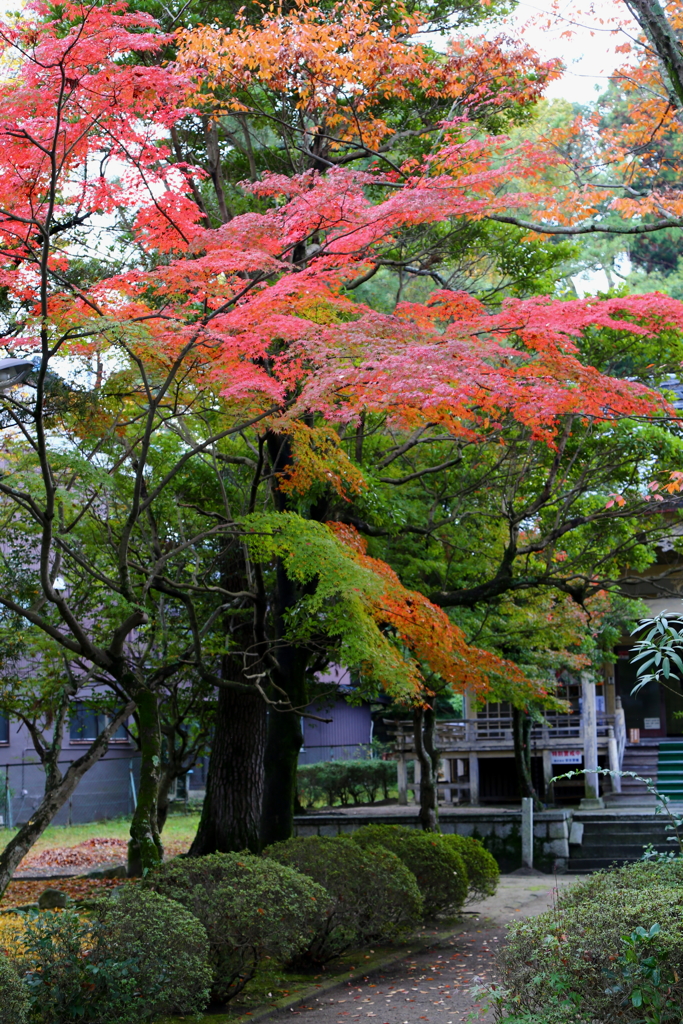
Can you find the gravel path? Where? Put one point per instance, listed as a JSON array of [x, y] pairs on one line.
[[440, 985]]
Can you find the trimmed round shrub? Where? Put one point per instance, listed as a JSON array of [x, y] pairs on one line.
[[483, 873], [169, 946], [136, 957], [374, 894], [598, 951], [439, 870], [14, 1002], [252, 908]]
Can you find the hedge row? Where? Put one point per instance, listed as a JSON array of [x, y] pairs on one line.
[[197, 929], [610, 950], [357, 782]]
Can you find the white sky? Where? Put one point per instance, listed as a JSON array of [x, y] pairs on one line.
[[589, 54]]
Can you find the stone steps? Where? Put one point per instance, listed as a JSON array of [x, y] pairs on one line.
[[615, 841]]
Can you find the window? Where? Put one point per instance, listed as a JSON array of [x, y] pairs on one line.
[[4, 729], [87, 724]]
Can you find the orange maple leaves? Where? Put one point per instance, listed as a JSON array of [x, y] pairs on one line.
[[338, 68], [427, 632]]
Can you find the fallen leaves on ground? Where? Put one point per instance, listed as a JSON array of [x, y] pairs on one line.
[[86, 854], [21, 891], [92, 852]]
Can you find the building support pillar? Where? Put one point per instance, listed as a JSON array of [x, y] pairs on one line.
[[474, 779], [548, 773], [592, 799]]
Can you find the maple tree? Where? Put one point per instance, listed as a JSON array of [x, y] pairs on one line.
[[77, 101], [237, 348], [612, 176]]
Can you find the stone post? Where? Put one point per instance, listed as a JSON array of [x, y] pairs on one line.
[[527, 832], [614, 765], [592, 799], [402, 779], [417, 775]]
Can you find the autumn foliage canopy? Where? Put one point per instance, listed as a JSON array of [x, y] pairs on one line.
[[257, 310]]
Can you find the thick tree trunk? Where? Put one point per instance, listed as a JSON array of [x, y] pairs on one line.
[[58, 789], [521, 730], [144, 846], [231, 815], [284, 736], [424, 728], [283, 743]]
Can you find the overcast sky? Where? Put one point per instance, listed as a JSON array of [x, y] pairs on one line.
[[590, 58]]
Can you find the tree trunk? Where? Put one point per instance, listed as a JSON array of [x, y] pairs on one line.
[[168, 776], [231, 815], [424, 728], [284, 736], [521, 730], [144, 846], [663, 36], [283, 743], [58, 789]]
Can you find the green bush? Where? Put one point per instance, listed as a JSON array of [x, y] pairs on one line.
[[252, 908], [359, 781], [612, 949], [14, 1002], [374, 893], [439, 869], [482, 869], [605, 884], [139, 956], [169, 945]]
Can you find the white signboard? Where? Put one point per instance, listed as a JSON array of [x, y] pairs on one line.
[[652, 723], [567, 756]]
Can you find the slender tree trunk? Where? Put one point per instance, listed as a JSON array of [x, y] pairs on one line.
[[424, 728], [165, 782], [521, 729], [144, 846], [231, 815], [58, 789]]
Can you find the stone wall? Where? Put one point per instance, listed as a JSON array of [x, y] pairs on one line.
[[499, 831]]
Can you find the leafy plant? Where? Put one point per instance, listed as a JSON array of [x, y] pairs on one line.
[[139, 955], [374, 894], [253, 908], [482, 868], [438, 868], [14, 1001], [643, 977], [168, 947], [657, 653], [580, 946]]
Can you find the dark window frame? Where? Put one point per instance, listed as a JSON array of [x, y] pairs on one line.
[[83, 719], [4, 731]]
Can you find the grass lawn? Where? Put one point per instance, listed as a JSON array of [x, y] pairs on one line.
[[180, 830]]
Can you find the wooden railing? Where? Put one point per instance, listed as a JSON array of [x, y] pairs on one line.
[[498, 728]]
